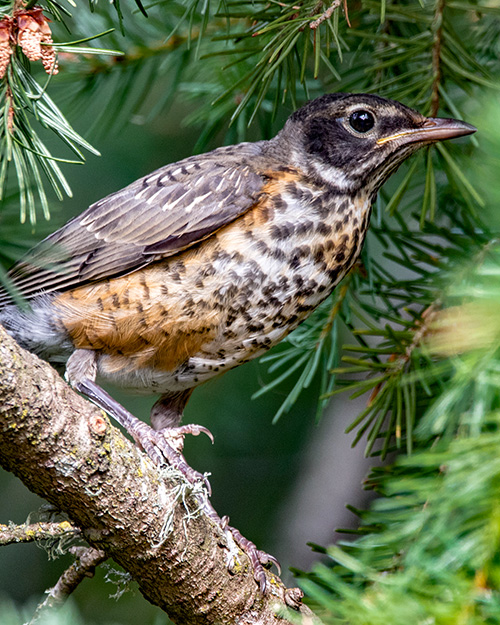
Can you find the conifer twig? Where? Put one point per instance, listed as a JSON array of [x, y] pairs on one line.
[[11, 533], [437, 27], [326, 15], [87, 559]]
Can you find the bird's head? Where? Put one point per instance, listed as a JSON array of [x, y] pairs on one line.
[[355, 141]]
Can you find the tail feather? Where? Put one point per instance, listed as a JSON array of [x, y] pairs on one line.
[[6, 297], [10, 291], [35, 328]]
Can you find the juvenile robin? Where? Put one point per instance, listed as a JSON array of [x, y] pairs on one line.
[[208, 262]]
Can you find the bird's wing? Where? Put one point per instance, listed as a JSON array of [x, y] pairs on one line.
[[157, 216]]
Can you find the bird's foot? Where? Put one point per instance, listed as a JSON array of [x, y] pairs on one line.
[[175, 435], [260, 560], [162, 446]]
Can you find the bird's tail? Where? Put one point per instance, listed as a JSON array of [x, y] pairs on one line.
[[35, 327], [5, 297]]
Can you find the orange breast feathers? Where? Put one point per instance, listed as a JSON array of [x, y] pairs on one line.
[[139, 316], [163, 314]]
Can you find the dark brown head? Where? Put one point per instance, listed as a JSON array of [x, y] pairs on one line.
[[355, 141]]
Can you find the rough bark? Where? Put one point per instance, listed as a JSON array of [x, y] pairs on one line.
[[65, 449]]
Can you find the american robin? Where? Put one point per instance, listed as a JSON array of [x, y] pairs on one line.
[[209, 262]]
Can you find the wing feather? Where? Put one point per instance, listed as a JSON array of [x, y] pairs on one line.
[[155, 217]]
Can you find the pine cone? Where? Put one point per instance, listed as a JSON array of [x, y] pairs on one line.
[[49, 58], [29, 36], [5, 47]]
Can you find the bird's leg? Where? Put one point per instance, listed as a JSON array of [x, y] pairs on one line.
[[166, 415], [81, 371], [162, 442], [154, 444]]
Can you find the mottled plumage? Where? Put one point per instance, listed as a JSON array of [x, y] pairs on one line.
[[281, 222], [176, 323], [209, 262]]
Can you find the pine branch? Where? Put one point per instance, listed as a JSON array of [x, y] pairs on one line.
[[10, 534], [87, 559], [441, 503], [437, 28], [66, 451], [443, 510]]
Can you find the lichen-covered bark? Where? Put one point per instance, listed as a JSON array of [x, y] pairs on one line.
[[64, 449]]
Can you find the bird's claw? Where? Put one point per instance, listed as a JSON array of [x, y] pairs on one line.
[[164, 446], [161, 450], [190, 428], [267, 561], [258, 559]]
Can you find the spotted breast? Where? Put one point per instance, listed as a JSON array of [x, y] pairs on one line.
[[208, 262], [175, 324]]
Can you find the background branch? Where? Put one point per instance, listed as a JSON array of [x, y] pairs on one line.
[[84, 566], [28, 533]]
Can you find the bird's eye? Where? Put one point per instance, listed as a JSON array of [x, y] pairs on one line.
[[361, 121]]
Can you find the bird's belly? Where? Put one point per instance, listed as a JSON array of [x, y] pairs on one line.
[[180, 322], [240, 337]]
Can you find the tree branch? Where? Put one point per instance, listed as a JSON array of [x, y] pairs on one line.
[[36, 532], [65, 449], [84, 566]]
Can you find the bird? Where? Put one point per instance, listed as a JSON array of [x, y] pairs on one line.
[[209, 262]]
